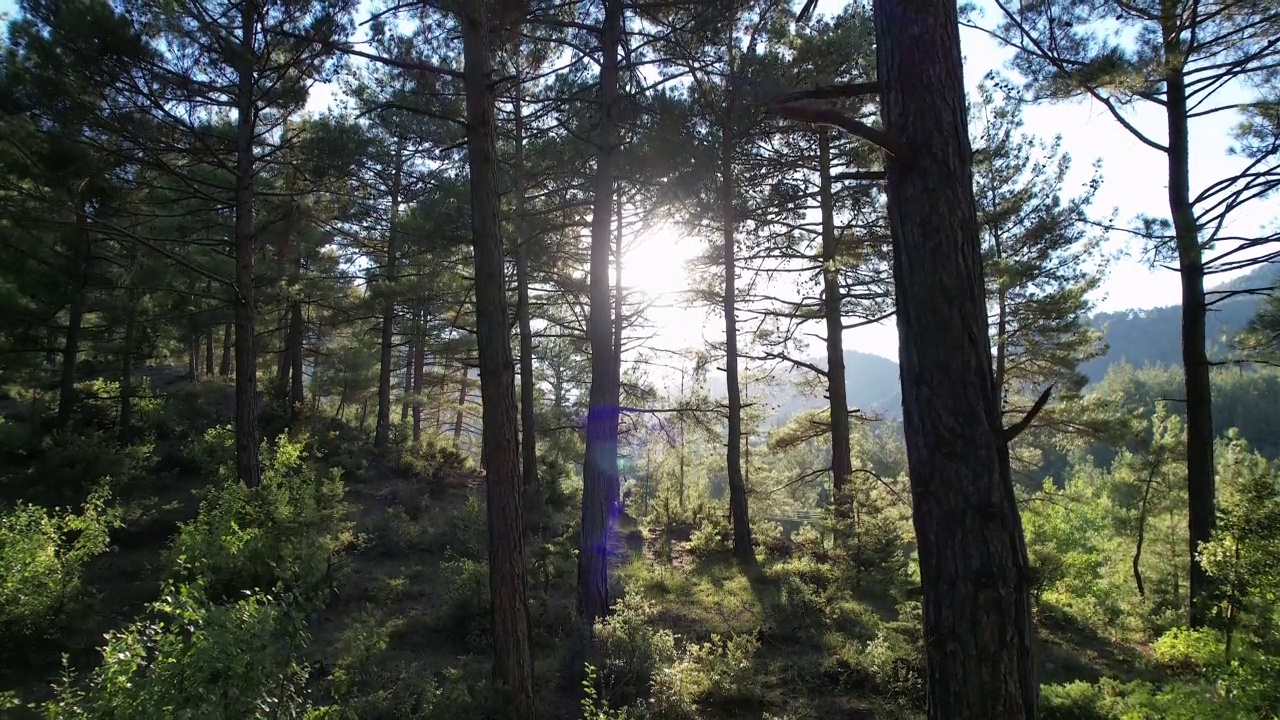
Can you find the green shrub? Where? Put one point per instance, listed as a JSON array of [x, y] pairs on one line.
[[722, 671], [286, 532], [711, 538], [465, 533], [69, 464], [630, 652], [466, 610], [42, 558], [1186, 649], [1080, 701], [191, 658], [797, 612]]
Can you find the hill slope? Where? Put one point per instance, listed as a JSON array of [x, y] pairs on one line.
[[1137, 337]]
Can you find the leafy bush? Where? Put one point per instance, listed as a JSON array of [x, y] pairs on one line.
[[286, 532], [432, 458], [68, 464], [42, 557], [722, 670], [711, 538], [465, 533], [466, 612], [1186, 649], [191, 658], [1081, 701], [631, 652]]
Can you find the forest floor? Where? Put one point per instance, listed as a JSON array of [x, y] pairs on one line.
[[408, 621]]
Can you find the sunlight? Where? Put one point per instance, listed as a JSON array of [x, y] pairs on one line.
[[655, 263]]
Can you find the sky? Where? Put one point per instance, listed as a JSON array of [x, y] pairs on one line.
[[1134, 184]]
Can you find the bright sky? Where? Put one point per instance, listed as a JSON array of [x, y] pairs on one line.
[[1134, 183]]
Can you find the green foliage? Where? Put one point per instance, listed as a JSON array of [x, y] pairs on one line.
[[69, 464], [710, 539], [1244, 554], [466, 609], [42, 558], [631, 653], [192, 658], [287, 532]]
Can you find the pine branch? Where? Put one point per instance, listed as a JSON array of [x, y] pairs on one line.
[[1016, 429]]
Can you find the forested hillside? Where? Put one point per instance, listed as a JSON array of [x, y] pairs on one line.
[[1150, 336], [477, 359]]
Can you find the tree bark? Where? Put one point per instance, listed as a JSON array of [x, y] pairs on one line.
[[600, 465], [224, 365], [973, 563], [462, 404], [81, 251], [841, 461], [382, 433], [512, 660], [248, 464], [1201, 492], [738, 511], [296, 338], [409, 353], [419, 368], [126, 364], [208, 349], [528, 433]]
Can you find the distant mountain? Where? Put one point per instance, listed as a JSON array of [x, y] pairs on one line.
[[871, 382], [1154, 336], [1138, 337]]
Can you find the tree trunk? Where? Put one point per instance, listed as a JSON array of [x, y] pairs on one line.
[[248, 464], [742, 549], [296, 338], [224, 365], [841, 462], [81, 250], [528, 431], [512, 659], [126, 364], [409, 353], [193, 357], [600, 465], [208, 352], [1195, 360], [973, 564], [617, 288], [383, 431], [462, 404], [419, 369]]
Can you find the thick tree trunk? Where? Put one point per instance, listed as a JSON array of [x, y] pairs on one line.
[[738, 512], [383, 431], [81, 251], [973, 564], [841, 462], [528, 431], [512, 660], [248, 464], [600, 465], [1201, 492]]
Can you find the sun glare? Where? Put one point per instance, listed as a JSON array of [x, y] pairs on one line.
[[655, 263]]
